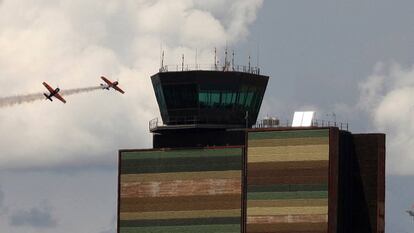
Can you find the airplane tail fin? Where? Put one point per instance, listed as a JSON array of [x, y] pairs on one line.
[[103, 86], [47, 97]]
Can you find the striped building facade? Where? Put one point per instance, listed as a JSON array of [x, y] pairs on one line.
[[180, 191], [287, 181], [280, 180]]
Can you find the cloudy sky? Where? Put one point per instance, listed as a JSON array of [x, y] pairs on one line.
[[58, 162]]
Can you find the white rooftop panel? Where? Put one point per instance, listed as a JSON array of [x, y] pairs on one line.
[[297, 119], [307, 119]]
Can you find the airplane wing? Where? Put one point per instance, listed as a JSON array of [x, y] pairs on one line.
[[106, 80], [118, 89], [49, 88], [59, 97]]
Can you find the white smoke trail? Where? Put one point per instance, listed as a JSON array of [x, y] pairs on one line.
[[79, 90], [20, 99]]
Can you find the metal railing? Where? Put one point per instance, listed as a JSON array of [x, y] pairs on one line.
[[155, 123], [191, 120], [210, 67], [315, 123]]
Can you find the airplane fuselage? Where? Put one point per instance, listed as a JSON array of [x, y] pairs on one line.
[[53, 93], [107, 86]]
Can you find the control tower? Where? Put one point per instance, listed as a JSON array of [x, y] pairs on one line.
[[210, 171], [206, 107]]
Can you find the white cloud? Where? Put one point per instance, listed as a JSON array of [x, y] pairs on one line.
[[387, 96], [72, 43]]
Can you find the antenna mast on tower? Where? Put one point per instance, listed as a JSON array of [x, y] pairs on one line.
[[196, 65], [215, 58], [225, 60], [162, 60], [232, 60], [249, 64], [182, 63]]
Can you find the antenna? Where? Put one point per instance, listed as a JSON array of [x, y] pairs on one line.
[[232, 60], [215, 58], [182, 63], [249, 64], [161, 52], [258, 53], [225, 59], [162, 60], [333, 115], [196, 65]]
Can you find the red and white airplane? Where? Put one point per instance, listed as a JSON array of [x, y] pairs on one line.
[[53, 93], [110, 84]]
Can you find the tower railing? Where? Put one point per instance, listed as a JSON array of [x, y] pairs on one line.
[[192, 120], [315, 123], [210, 67], [156, 122]]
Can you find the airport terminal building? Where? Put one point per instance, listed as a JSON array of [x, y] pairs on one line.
[[212, 169]]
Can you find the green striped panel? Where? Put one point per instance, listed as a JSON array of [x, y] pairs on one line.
[[191, 153], [186, 167], [225, 228], [286, 195], [165, 162], [287, 187], [288, 202], [288, 134], [224, 213]]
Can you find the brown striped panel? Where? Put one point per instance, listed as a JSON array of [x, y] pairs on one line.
[[288, 165], [288, 153], [302, 218], [288, 142], [209, 202], [288, 228], [125, 178], [287, 181], [180, 214], [181, 188]]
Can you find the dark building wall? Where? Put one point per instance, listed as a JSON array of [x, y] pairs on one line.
[[345, 177], [183, 138], [175, 191], [368, 173]]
